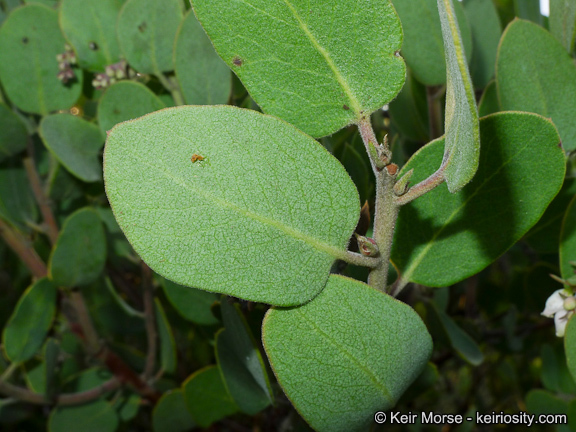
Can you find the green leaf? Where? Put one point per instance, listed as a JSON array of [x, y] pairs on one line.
[[80, 253], [206, 397], [462, 139], [95, 416], [544, 402], [563, 22], [30, 322], [126, 100], [486, 31], [568, 241], [307, 63], [171, 414], [167, 343], [243, 370], [90, 26], [350, 352], [535, 73], [13, 134], [528, 10], [30, 40], [409, 111], [262, 217], [570, 347], [521, 170], [193, 304], [423, 47], [128, 406], [204, 78], [489, 103], [146, 32], [76, 143], [17, 204]]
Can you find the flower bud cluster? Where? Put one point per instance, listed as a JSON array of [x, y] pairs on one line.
[[114, 72], [65, 62]]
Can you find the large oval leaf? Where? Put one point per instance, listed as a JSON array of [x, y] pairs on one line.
[[442, 238], [535, 73], [319, 66], [350, 352], [230, 200], [30, 40]]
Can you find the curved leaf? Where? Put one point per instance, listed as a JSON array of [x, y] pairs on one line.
[[570, 346], [563, 22], [193, 304], [230, 200], [319, 66], [171, 414], [95, 416], [13, 134], [17, 204], [568, 241], [168, 357]]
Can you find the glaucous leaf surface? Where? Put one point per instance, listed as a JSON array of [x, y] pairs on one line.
[[30, 39], [206, 397], [423, 47], [486, 31], [348, 353], [13, 134], [489, 103], [243, 370], [126, 100], [146, 32], [443, 238], [168, 357], [231, 201], [318, 65], [23, 337], [171, 413], [95, 416], [563, 22], [535, 73], [193, 304], [90, 26], [203, 77], [80, 253], [76, 143], [17, 204], [462, 133], [570, 347], [568, 241]]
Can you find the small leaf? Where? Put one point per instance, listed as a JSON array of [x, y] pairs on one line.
[[13, 135], [126, 100], [563, 22], [167, 343], [489, 103], [31, 320], [146, 32], [570, 347], [80, 253], [306, 63], [95, 416], [521, 170], [128, 407], [243, 370], [568, 241], [90, 26], [535, 73], [171, 413], [17, 204], [462, 139], [30, 40], [193, 304], [76, 143], [348, 353], [206, 397], [423, 46], [262, 215], [204, 78]]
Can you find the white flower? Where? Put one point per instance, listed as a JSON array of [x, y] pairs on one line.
[[560, 306]]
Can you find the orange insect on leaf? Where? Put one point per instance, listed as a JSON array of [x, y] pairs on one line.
[[196, 157]]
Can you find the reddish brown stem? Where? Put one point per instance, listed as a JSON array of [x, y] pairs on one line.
[[22, 247]]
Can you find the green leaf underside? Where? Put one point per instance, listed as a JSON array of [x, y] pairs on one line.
[[261, 217], [95, 416], [348, 353], [423, 46], [30, 39], [171, 414], [80, 252], [568, 241], [168, 357], [17, 204], [76, 143], [23, 336], [535, 73], [570, 346], [521, 170], [126, 100], [204, 78], [13, 135], [146, 33], [319, 67], [90, 26], [462, 138], [206, 397], [241, 364], [193, 304], [563, 22]]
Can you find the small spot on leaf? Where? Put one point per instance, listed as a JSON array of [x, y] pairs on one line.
[[142, 27], [196, 157], [346, 107], [25, 40], [93, 46], [237, 61]]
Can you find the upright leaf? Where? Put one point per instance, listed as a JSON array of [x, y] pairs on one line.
[[521, 170], [230, 200], [30, 40], [528, 10], [535, 73], [563, 22], [193, 304], [350, 352], [17, 204], [462, 131], [13, 135], [319, 66], [167, 344], [568, 241], [570, 347]]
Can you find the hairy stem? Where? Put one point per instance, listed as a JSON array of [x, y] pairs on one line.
[[361, 260], [22, 247], [421, 188]]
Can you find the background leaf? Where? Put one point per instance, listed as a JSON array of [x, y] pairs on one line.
[[193, 304], [167, 344], [13, 135], [568, 241], [262, 217], [570, 347], [96, 416], [307, 63], [17, 204], [489, 103], [563, 22], [171, 413]]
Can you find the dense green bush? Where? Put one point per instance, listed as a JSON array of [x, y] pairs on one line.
[[380, 193]]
